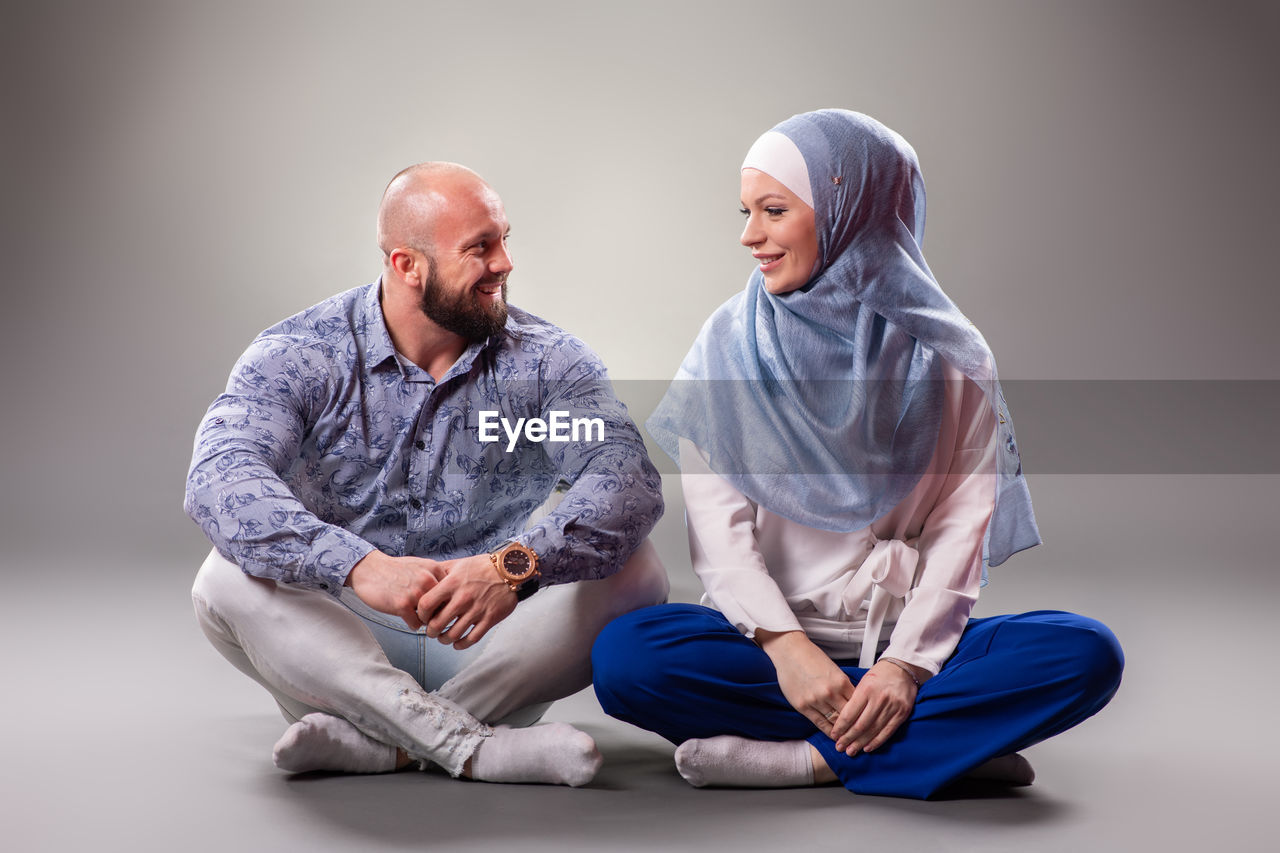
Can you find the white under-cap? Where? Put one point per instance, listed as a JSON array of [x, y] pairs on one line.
[[779, 158]]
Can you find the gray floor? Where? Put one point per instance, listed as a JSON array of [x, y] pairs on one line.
[[126, 732]]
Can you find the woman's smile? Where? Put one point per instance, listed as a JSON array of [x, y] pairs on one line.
[[780, 232]]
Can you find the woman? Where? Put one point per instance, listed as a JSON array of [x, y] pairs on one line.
[[846, 454]]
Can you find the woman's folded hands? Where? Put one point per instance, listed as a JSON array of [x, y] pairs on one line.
[[857, 717]]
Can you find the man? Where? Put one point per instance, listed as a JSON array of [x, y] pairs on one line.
[[370, 471]]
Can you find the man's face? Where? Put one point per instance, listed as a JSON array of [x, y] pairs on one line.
[[470, 313], [466, 288]]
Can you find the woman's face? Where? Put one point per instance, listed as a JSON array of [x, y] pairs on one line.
[[780, 232]]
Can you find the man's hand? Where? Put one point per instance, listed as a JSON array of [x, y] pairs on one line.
[[470, 600], [394, 585], [881, 702], [810, 680]]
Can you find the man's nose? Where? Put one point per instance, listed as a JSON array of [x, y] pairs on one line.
[[502, 263]]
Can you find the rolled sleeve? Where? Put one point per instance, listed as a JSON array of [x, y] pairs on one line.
[[615, 493], [723, 549], [950, 544]]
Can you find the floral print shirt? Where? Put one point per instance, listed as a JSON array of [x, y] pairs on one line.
[[327, 444]]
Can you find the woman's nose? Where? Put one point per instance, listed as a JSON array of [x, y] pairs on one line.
[[751, 233]]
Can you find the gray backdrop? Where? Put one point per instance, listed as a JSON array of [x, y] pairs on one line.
[[178, 176]]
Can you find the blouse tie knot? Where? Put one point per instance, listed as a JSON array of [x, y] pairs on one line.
[[892, 566]]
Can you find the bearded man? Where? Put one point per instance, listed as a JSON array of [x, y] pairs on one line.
[[375, 556]]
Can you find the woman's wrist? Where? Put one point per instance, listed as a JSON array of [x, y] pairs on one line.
[[918, 675], [779, 645], [766, 638]]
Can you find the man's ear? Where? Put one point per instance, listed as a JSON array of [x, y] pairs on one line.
[[411, 267]]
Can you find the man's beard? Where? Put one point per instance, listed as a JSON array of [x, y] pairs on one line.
[[463, 314]]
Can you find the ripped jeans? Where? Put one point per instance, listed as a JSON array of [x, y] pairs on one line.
[[313, 652]]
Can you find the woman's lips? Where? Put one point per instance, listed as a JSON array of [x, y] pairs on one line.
[[769, 262]]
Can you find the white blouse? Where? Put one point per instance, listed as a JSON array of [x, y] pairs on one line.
[[913, 575]]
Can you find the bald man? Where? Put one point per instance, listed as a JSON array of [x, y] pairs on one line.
[[375, 481]]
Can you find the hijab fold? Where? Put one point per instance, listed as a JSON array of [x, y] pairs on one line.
[[824, 404]]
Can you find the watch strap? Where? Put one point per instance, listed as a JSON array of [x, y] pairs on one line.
[[528, 588]]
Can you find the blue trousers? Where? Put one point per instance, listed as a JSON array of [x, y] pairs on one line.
[[684, 671]]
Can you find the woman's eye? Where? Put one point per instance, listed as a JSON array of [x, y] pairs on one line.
[[744, 211], [775, 211]]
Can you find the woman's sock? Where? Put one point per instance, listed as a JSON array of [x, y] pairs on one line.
[[550, 754], [730, 761], [325, 742]]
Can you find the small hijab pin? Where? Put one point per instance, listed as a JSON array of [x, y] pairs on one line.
[[836, 179]]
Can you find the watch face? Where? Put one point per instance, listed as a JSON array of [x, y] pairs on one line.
[[516, 563]]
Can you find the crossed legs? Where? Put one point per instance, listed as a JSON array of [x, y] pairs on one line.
[[685, 672], [315, 655]]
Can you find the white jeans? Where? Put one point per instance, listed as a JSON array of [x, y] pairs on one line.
[[313, 653]]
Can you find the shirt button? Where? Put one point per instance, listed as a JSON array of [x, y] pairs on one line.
[[420, 444], [415, 503]]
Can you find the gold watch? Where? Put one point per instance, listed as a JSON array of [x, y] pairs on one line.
[[518, 568]]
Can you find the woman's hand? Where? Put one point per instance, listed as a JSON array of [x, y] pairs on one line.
[[810, 680], [881, 702]]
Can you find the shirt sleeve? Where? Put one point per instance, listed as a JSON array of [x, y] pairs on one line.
[[722, 546], [249, 437], [950, 543], [615, 493]]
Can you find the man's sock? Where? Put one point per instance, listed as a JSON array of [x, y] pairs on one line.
[[735, 762], [552, 754], [1011, 769], [325, 742]]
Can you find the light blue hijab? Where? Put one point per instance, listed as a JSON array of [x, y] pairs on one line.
[[823, 405]]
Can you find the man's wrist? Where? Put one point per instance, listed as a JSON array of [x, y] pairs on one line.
[[517, 566]]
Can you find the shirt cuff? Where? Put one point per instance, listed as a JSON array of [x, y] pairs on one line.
[[330, 559]]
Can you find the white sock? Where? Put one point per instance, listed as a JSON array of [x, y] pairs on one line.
[[735, 762], [552, 754], [324, 742], [1011, 769]]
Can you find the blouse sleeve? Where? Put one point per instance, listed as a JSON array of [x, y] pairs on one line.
[[950, 544], [723, 549]]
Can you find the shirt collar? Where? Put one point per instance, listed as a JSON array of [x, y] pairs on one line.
[[512, 329], [378, 346], [379, 349]]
